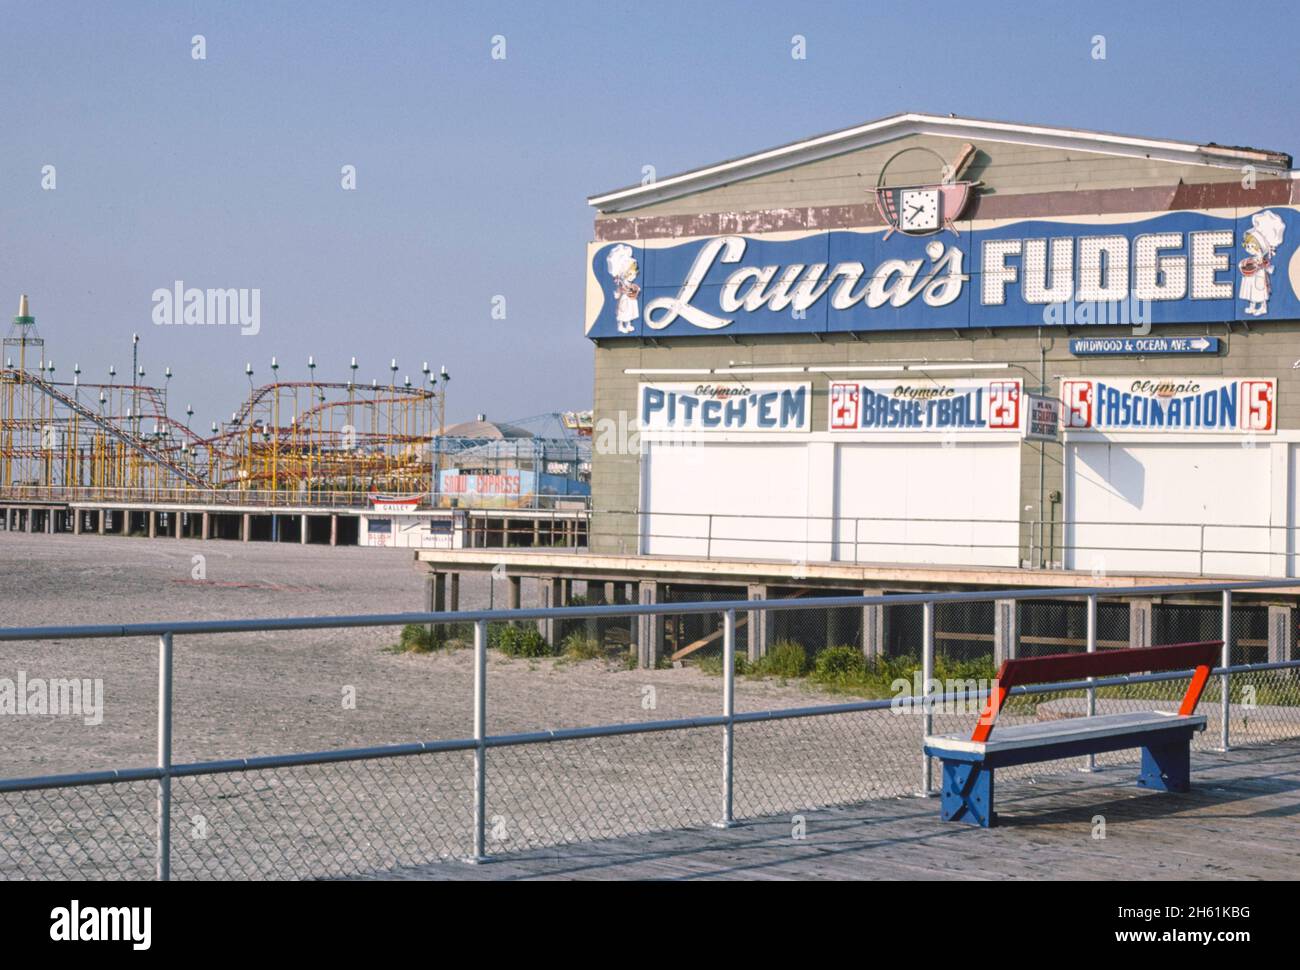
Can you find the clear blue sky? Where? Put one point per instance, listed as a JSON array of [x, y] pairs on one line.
[[472, 173]]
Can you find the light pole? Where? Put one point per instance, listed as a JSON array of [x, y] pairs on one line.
[[311, 379], [275, 425], [135, 385], [352, 385], [440, 381]]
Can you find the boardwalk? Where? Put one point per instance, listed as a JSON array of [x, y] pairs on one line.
[[1239, 822]]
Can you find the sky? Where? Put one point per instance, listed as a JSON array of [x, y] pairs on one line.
[[472, 171]]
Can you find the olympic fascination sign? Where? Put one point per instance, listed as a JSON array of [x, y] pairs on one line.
[[1180, 267], [1200, 405]]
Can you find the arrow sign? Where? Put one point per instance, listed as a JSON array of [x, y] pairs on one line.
[[1142, 346]]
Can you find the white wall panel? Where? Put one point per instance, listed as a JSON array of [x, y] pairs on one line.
[[741, 500], [1171, 506], [929, 502]]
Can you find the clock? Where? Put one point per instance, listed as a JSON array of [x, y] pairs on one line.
[[918, 210]]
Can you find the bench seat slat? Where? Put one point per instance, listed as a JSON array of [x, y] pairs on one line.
[[1064, 731]]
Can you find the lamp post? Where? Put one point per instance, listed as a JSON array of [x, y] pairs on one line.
[[352, 385], [135, 384], [440, 382], [275, 425]]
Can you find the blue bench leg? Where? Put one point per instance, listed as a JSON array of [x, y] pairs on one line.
[[1167, 767], [967, 794]]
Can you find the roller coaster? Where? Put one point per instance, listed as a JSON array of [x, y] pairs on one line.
[[308, 442]]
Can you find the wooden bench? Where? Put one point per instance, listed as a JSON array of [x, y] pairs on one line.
[[1165, 737]]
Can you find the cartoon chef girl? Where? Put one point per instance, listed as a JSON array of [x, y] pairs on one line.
[[622, 267], [1260, 241]]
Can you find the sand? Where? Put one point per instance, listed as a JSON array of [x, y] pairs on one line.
[[243, 695]]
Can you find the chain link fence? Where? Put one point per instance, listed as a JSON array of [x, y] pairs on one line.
[[584, 789], [349, 813], [801, 764], [338, 819], [104, 832]]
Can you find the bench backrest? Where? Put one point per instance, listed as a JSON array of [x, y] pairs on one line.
[[1110, 663]]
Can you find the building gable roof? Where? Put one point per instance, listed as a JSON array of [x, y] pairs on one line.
[[913, 123]]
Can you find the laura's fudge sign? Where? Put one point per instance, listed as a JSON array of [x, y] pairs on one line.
[[1177, 267]]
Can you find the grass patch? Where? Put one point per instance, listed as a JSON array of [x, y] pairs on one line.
[[523, 641], [578, 646], [416, 639], [843, 669], [784, 659], [839, 663], [712, 664]]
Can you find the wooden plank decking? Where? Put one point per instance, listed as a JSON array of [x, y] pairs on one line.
[[1240, 821]]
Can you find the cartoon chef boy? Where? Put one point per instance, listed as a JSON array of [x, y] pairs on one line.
[[622, 267], [1260, 242]]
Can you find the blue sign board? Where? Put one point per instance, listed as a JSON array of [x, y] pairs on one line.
[[1142, 346], [1175, 267]]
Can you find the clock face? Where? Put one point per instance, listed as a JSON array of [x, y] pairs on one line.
[[918, 210]]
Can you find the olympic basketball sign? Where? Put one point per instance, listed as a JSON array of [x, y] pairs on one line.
[[947, 407]]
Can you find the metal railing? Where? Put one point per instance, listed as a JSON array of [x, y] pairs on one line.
[[217, 498], [762, 794], [955, 540], [167, 495]]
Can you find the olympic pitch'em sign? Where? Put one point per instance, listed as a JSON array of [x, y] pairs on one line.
[[958, 406], [1200, 405], [725, 407]]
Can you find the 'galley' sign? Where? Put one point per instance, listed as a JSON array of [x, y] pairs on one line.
[[1174, 267], [725, 406], [1213, 405], [957, 406]]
